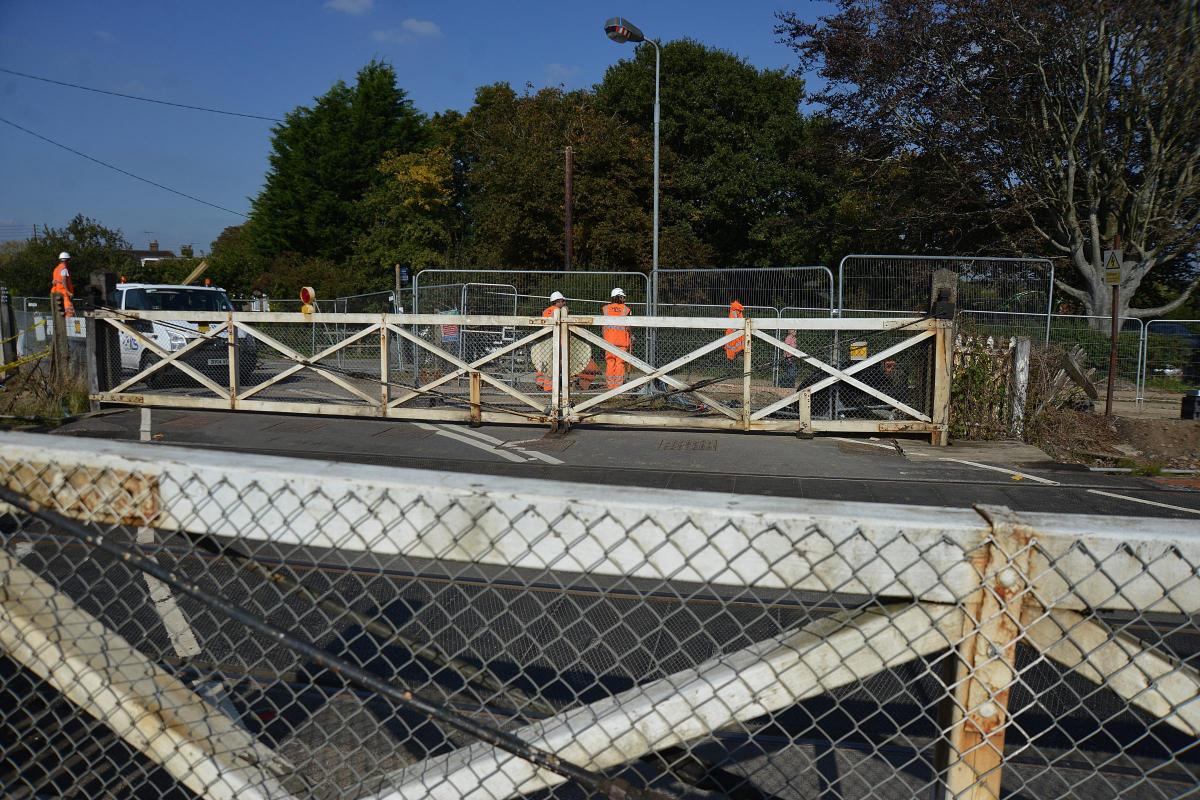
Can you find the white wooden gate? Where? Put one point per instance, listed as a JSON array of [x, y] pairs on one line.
[[785, 375]]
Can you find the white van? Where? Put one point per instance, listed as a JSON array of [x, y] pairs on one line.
[[211, 360]]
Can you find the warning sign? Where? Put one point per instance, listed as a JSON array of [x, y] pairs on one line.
[[858, 351], [1112, 267]]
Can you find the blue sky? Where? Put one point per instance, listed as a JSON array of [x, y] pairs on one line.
[[266, 58]]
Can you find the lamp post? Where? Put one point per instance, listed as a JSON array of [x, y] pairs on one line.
[[621, 30]]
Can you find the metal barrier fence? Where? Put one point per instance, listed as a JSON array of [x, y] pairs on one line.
[[799, 375], [901, 283], [183, 623], [1171, 356], [692, 292]]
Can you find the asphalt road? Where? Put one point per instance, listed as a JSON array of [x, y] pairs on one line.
[[833, 468]]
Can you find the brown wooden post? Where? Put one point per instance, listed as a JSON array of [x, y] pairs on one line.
[[747, 369], [231, 334], [385, 389], [942, 376], [476, 393], [984, 668], [568, 202], [943, 304]]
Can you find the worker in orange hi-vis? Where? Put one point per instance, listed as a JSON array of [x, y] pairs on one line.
[[618, 336], [733, 348], [557, 301], [61, 283]]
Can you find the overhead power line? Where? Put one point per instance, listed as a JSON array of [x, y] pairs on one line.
[[135, 97], [118, 169]]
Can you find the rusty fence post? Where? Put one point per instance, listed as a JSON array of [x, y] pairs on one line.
[[981, 671]]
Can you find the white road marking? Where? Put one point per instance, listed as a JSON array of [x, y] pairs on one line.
[[501, 443], [1147, 502], [1022, 475], [179, 631], [487, 448]]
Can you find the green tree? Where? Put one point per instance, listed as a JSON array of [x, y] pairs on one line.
[[324, 159], [739, 169], [412, 215], [514, 180], [1068, 123], [27, 267], [233, 263]]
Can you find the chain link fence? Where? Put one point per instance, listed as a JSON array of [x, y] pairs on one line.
[[180, 624]]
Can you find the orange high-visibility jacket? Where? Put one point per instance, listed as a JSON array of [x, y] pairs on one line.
[[61, 283], [549, 312], [618, 335], [739, 344]]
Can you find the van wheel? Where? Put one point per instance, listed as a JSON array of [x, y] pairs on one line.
[[154, 379]]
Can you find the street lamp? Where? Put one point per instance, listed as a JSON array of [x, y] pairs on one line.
[[621, 30]]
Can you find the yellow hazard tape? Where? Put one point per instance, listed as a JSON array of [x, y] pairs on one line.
[[13, 338], [22, 361]]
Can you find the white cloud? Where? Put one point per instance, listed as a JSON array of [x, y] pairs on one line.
[[104, 36], [409, 31], [350, 6], [560, 73]]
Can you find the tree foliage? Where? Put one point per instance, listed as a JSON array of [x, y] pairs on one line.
[[27, 267], [738, 166], [515, 177], [1060, 126], [324, 159]]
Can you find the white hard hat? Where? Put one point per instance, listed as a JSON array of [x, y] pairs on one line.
[[618, 291], [64, 255], [556, 296]]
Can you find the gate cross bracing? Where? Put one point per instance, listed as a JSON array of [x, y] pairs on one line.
[[852, 375]]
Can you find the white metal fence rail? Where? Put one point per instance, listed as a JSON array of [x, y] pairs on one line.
[[679, 643]]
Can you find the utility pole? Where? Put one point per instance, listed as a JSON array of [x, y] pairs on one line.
[[568, 200]]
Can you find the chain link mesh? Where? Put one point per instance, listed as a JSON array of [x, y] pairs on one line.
[[688, 644]]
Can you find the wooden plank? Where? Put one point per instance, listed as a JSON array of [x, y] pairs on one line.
[[660, 371], [825, 383], [826, 654], [169, 358], [108, 678], [804, 412], [986, 662], [385, 363], [838, 375], [942, 366], [747, 372], [476, 413], [1134, 670], [461, 367], [643, 366]]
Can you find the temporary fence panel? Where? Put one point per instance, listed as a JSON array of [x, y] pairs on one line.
[[179, 623], [901, 283], [692, 292], [439, 290], [1172, 356], [1092, 333]]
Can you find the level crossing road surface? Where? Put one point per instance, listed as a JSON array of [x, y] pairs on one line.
[[905, 471]]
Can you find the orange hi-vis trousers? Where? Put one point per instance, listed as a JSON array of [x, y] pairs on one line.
[[614, 365]]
